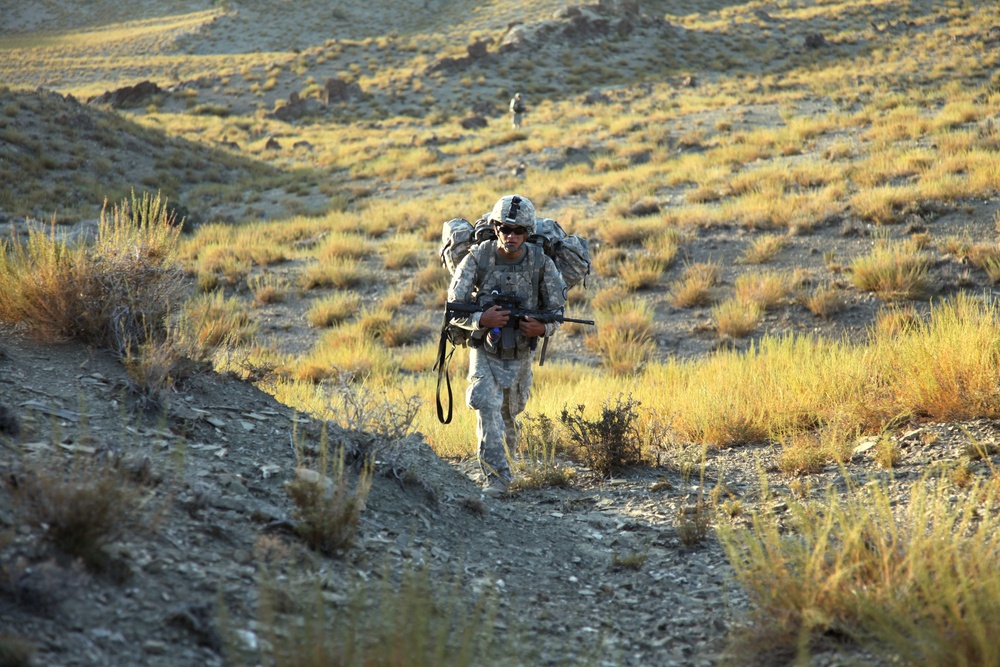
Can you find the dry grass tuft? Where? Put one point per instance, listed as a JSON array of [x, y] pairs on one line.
[[538, 464], [327, 508], [765, 288], [736, 318], [895, 271], [339, 274], [763, 249], [624, 337], [695, 288], [81, 505], [116, 292], [825, 301], [334, 309], [214, 320], [267, 288]]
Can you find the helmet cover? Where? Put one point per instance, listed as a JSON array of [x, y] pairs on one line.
[[514, 210]]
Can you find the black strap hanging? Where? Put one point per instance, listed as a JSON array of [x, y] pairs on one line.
[[441, 366]]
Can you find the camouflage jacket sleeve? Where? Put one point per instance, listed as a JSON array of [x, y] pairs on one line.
[[552, 292], [462, 289]]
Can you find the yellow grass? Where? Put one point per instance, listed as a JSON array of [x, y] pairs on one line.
[[893, 270], [694, 288], [863, 566], [765, 288]]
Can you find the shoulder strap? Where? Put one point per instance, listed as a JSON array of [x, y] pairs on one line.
[[481, 270], [537, 266]]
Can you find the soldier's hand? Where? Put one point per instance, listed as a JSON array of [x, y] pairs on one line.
[[530, 327], [493, 317]]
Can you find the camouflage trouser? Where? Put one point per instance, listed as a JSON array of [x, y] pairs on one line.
[[498, 392], [517, 119]]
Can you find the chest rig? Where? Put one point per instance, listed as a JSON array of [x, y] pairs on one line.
[[506, 285]]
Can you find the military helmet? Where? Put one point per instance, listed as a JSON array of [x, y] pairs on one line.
[[514, 210]]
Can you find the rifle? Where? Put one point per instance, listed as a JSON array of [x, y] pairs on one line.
[[512, 304], [503, 337]]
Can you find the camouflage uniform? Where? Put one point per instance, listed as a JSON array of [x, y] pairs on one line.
[[499, 388], [517, 109]]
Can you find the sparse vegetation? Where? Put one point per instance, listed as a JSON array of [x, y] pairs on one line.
[[81, 505], [415, 620], [611, 443], [727, 168], [116, 293], [895, 271], [857, 566], [327, 507]]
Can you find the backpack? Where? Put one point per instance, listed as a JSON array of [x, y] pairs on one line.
[[570, 253]]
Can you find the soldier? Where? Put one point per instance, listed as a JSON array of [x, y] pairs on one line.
[[500, 356], [517, 110]]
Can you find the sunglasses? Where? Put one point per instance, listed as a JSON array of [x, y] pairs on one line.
[[508, 230]]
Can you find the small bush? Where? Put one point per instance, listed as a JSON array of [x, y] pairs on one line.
[[362, 405], [609, 444], [327, 509], [81, 506], [157, 367], [692, 523]]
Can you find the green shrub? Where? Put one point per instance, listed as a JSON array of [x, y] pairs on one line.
[[609, 444]]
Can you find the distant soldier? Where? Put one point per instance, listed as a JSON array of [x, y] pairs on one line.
[[517, 110]]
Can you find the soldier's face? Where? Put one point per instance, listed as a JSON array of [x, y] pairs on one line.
[[511, 238]]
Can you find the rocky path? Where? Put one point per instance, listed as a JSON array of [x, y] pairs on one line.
[[599, 573]]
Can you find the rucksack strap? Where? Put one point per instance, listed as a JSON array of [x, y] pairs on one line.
[[541, 355], [441, 366]]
